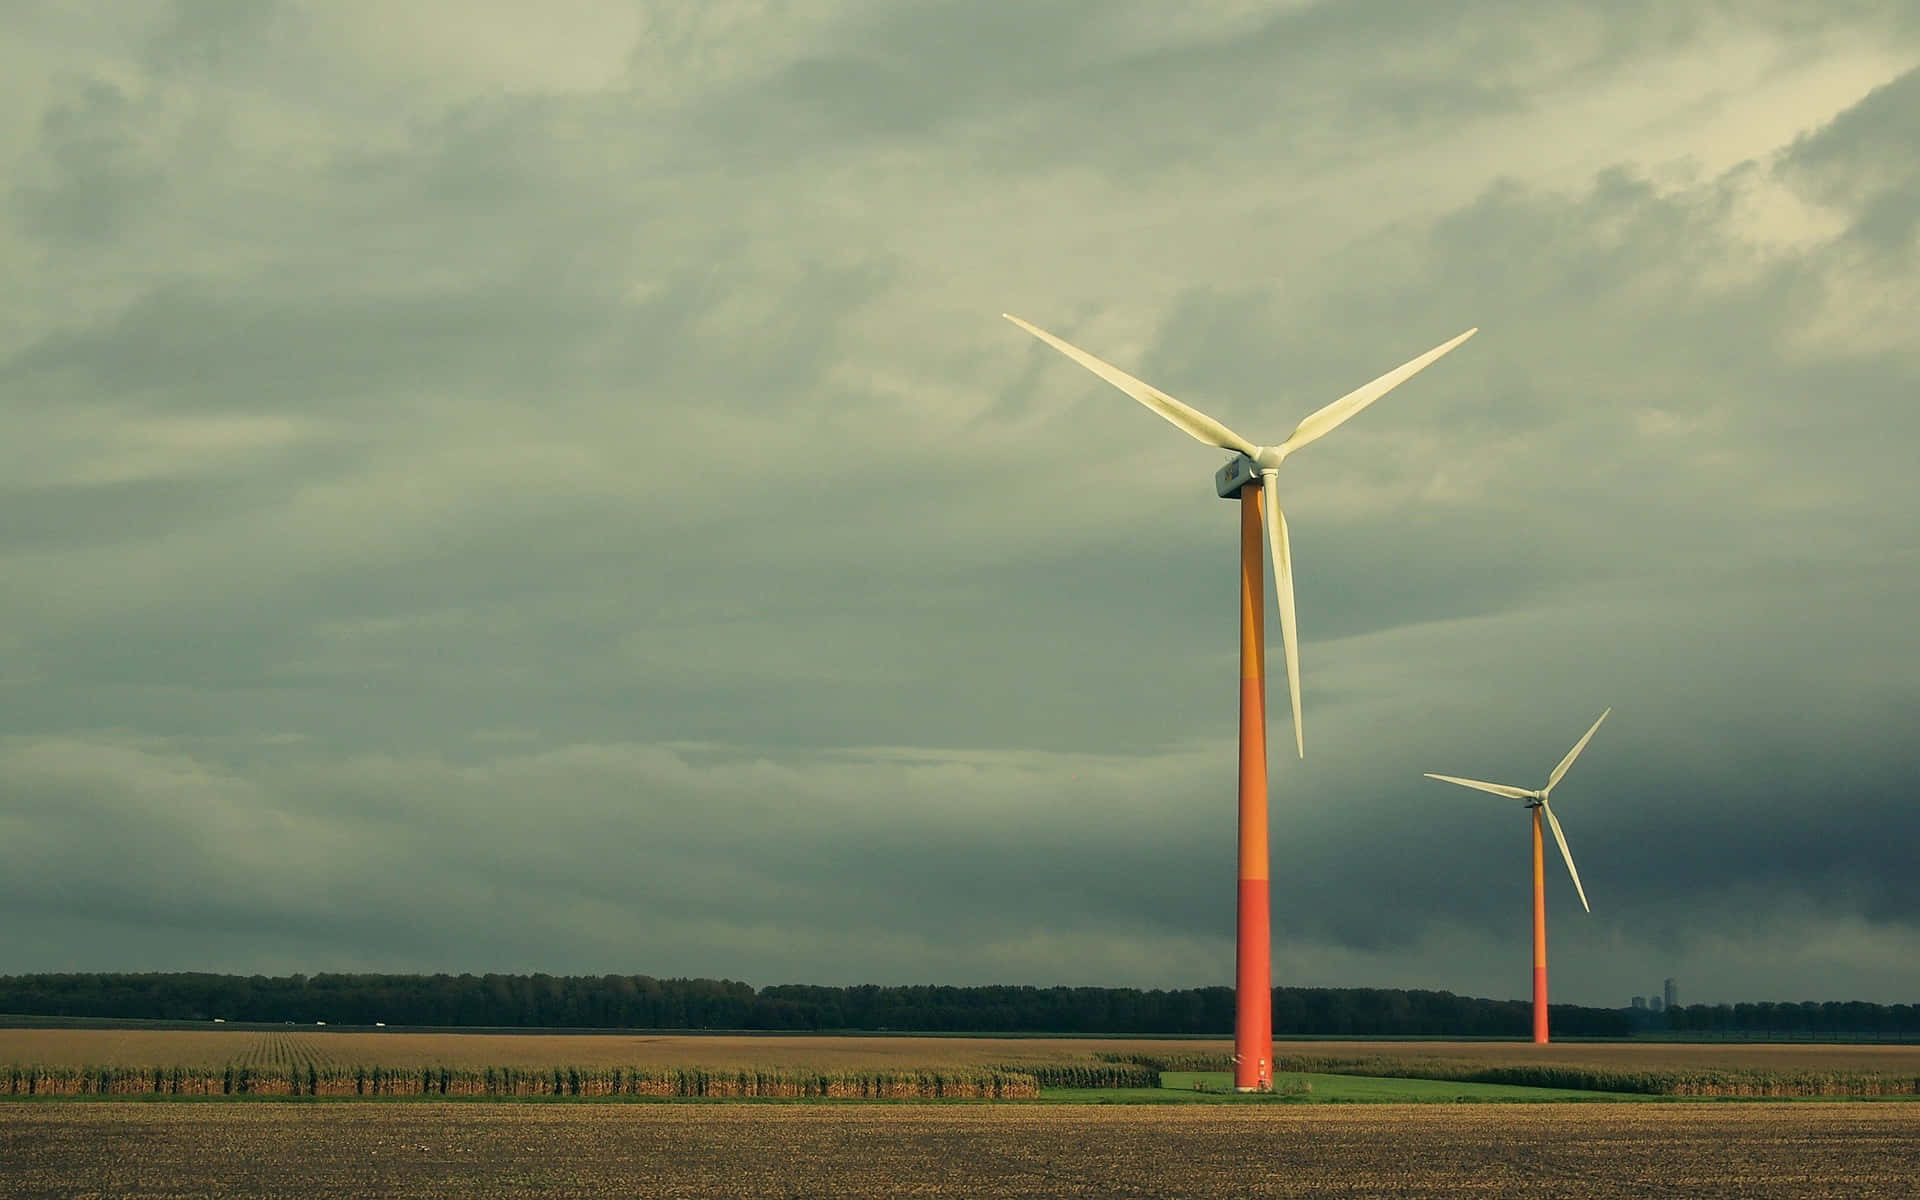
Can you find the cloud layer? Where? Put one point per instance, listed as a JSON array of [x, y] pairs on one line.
[[484, 496]]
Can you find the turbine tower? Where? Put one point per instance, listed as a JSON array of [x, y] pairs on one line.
[[1538, 802], [1249, 477]]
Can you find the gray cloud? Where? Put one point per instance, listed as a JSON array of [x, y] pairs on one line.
[[200, 36], [595, 520], [1848, 163], [92, 173]]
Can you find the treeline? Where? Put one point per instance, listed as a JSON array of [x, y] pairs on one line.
[[1807, 1017], [643, 1002]]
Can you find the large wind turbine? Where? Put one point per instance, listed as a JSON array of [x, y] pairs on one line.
[[1538, 802], [1248, 476]]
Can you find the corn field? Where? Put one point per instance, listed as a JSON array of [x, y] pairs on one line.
[[296, 1065], [1778, 1082], [1684, 1081], [1188, 1061], [327, 1063], [675, 1082], [1090, 1075]]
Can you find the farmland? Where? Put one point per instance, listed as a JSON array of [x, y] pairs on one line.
[[399, 1048], [71, 1063], [1760, 1150], [310, 1062], [1655, 1068], [166, 1063], [96, 1047], [1629, 1055]]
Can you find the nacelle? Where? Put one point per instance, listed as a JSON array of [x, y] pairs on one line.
[[1238, 473]]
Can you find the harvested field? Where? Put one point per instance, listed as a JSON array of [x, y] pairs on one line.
[[1654, 1069], [124, 1047], [300, 1150], [1814, 1056], [1673, 1069], [399, 1049], [113, 1047], [320, 1062]]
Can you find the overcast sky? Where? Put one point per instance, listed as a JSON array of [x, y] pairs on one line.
[[483, 492]]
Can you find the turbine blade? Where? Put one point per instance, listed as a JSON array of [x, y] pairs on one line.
[[1283, 592], [1566, 854], [1196, 423], [1336, 414], [1560, 771], [1498, 789]]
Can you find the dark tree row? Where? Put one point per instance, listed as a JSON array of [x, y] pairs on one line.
[[642, 1002], [1808, 1016]]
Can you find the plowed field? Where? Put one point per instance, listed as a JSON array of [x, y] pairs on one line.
[[303, 1150]]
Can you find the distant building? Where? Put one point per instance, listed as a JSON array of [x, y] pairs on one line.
[[1657, 1005], [1672, 995], [1640, 1002]]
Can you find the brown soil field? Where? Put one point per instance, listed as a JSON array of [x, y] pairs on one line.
[[1633, 1056], [114, 1047], [121, 1047], [302, 1150], [214, 1048]]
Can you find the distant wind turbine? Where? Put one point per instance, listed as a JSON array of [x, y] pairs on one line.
[[1247, 476], [1538, 802]]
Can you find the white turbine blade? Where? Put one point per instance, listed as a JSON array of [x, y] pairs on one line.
[[1196, 423], [1498, 789], [1560, 771], [1566, 854], [1283, 592], [1334, 415]]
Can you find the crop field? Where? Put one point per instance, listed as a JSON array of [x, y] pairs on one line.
[[319, 1062], [115, 1047], [300, 1150], [1661, 1068], [1819, 1056], [295, 1064], [398, 1048]]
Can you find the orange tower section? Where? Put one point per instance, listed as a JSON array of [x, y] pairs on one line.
[[1539, 938], [1253, 994]]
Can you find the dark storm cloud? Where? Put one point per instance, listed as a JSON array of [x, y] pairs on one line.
[[606, 527], [92, 175], [202, 347], [1067, 84], [131, 510], [201, 35], [1851, 162]]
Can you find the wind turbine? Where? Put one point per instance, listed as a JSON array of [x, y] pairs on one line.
[[1538, 802], [1248, 476]]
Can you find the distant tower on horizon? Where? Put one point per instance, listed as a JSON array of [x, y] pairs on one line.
[[1672, 994], [1640, 1002], [1656, 1005]]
